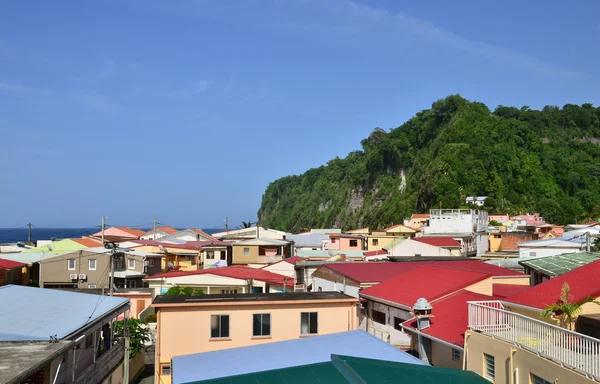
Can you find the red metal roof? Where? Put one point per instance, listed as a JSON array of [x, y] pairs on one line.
[[450, 317], [508, 290], [438, 241], [375, 272], [9, 264], [428, 282], [420, 216], [235, 272], [293, 260], [583, 281], [376, 253]]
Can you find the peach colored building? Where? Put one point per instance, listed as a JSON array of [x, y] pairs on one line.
[[193, 324], [343, 242]]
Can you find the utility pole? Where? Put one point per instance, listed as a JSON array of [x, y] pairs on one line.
[[226, 224], [154, 236], [112, 271], [127, 354], [102, 230], [588, 245], [29, 233]]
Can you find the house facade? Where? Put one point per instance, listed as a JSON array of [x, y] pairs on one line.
[[260, 251], [468, 227], [344, 242], [230, 321]]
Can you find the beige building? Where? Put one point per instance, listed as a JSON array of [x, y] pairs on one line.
[[237, 320], [91, 269], [260, 251]]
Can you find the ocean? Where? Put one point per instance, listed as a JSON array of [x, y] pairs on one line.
[[14, 235]]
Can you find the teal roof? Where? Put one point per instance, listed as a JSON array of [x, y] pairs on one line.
[[560, 264], [345, 369]]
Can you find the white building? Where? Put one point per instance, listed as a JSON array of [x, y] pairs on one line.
[[476, 200], [551, 247], [192, 234], [426, 246], [250, 233], [467, 226]]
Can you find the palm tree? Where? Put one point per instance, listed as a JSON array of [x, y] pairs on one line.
[[565, 309]]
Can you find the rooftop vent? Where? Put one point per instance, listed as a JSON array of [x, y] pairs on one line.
[[422, 311]]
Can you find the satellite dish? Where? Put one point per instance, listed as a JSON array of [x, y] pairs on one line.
[[49, 247], [170, 265], [162, 248]]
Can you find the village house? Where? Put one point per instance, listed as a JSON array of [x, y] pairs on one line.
[[499, 218], [260, 251], [344, 242], [358, 231], [188, 255], [309, 240], [225, 280], [237, 320], [538, 351], [468, 227], [303, 351], [158, 233], [417, 220], [551, 247], [502, 241], [285, 267], [329, 255], [79, 321], [425, 246], [476, 200], [119, 234], [11, 272], [186, 235], [250, 233], [90, 268]]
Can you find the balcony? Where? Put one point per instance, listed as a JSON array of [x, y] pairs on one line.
[[570, 349], [104, 365]]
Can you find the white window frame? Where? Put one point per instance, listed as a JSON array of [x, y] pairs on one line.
[[489, 370], [91, 286], [129, 263], [309, 314], [210, 255], [219, 316], [456, 354], [69, 264], [90, 264], [246, 251]]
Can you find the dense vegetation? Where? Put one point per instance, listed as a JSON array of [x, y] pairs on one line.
[[525, 160]]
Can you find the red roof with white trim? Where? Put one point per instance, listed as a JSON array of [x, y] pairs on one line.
[[235, 272], [450, 317], [438, 241], [583, 281], [375, 272], [376, 253], [9, 264], [428, 282]]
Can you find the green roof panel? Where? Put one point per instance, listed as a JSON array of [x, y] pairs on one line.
[[560, 264]]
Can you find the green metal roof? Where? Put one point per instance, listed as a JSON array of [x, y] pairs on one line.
[[58, 247], [557, 265], [393, 244], [354, 370]]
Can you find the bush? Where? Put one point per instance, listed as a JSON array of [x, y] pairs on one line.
[[150, 318]]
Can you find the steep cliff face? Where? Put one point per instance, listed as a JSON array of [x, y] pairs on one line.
[[525, 160]]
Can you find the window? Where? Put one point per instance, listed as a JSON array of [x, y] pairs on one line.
[[92, 264], [490, 366], [497, 236], [309, 323], [130, 263], [375, 241], [333, 240], [71, 264], [354, 243], [165, 369], [150, 262], [246, 251], [397, 322], [91, 285], [538, 380], [532, 254], [210, 255], [223, 255], [455, 354], [219, 326], [261, 324], [379, 317], [229, 291]]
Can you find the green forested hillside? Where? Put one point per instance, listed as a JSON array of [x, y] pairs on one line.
[[544, 161]]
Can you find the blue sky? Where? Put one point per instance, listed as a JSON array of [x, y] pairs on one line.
[[187, 110]]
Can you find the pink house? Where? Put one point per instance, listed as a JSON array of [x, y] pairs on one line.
[[345, 242]]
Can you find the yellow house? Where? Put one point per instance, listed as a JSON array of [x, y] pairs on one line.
[[495, 241], [401, 230], [193, 324], [377, 242], [180, 258], [260, 251]]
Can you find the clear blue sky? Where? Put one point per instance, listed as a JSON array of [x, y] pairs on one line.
[[187, 110]]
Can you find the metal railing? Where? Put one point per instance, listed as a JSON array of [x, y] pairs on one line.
[[574, 350], [104, 365]]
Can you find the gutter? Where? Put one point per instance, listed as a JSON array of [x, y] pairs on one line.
[[116, 311], [431, 337], [387, 302]]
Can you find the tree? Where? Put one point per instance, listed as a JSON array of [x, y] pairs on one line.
[[183, 291], [565, 309], [494, 223], [138, 335]]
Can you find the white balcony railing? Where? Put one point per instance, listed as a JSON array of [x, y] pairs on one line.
[[568, 348]]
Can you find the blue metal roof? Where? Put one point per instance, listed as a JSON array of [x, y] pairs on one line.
[[30, 313], [284, 354]]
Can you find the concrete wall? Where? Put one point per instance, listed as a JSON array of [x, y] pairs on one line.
[[456, 221], [514, 280], [219, 254], [323, 285], [412, 248], [283, 268], [172, 340], [238, 254], [387, 332], [524, 363]]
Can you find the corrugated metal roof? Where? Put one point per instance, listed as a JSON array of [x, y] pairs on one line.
[[308, 240], [261, 241], [10, 264], [30, 313], [28, 257], [557, 265], [308, 253], [269, 356]]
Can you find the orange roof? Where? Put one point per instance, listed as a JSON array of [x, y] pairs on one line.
[[87, 242], [135, 232], [420, 216], [204, 234], [167, 229]]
